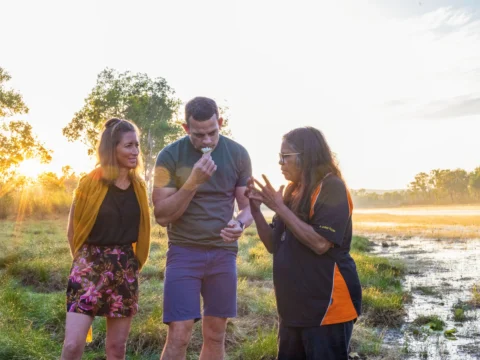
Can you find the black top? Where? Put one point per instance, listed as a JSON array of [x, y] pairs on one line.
[[212, 206], [118, 219], [303, 280]]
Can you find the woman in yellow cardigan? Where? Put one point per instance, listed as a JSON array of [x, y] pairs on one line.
[[109, 237]]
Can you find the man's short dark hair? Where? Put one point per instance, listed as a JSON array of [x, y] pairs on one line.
[[200, 109]]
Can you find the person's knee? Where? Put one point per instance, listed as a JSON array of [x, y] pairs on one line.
[[179, 335], [214, 338], [178, 340], [72, 349], [214, 333], [116, 348]]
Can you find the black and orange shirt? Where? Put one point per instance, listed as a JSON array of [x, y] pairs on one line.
[[311, 289]]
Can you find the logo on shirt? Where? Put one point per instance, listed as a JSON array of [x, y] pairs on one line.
[[326, 228]]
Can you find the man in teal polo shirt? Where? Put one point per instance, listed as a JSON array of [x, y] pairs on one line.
[[197, 180]]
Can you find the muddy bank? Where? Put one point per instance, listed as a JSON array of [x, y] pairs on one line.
[[440, 321]]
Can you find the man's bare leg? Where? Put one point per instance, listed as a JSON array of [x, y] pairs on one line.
[[214, 329], [178, 337]]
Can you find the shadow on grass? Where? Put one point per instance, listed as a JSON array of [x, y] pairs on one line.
[[43, 275]]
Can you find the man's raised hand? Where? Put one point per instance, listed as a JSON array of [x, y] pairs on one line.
[[202, 170]]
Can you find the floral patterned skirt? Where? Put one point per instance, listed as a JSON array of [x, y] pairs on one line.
[[103, 281]]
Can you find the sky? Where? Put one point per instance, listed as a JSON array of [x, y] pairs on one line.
[[393, 85]]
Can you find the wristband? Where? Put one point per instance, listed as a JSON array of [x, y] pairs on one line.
[[242, 225]]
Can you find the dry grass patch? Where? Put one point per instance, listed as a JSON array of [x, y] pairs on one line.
[[475, 301], [430, 226]]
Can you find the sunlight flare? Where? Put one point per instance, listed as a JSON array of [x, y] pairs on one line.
[[32, 168]]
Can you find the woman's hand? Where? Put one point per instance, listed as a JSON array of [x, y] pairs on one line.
[[268, 195], [255, 202]]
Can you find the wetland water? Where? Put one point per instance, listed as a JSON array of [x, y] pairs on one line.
[[440, 275]]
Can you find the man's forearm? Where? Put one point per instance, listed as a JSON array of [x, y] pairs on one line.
[[245, 216], [171, 208]]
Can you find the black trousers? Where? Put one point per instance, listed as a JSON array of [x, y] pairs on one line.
[[328, 342]]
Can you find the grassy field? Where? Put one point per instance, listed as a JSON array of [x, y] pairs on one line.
[[34, 265]]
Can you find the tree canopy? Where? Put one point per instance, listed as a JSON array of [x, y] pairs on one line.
[[149, 103], [17, 140], [440, 186]]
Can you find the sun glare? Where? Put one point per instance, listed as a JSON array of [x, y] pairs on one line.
[[31, 168]]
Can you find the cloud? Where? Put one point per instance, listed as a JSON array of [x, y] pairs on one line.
[[457, 107], [397, 102], [435, 62], [443, 17], [458, 18]]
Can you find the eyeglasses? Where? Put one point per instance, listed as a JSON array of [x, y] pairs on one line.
[[282, 156]]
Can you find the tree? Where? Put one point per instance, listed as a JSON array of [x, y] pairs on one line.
[[420, 185], [17, 140], [474, 183], [459, 184], [149, 103], [11, 102], [394, 198], [69, 178], [435, 183], [451, 182], [50, 182]]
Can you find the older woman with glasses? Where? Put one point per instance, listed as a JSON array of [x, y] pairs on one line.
[[316, 282]]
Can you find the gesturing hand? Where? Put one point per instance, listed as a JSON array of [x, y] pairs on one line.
[[267, 194], [203, 169], [249, 192]]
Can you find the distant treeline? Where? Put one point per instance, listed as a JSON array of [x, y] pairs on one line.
[[439, 187], [48, 194], [51, 194]]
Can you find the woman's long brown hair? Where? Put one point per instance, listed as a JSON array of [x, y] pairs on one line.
[[315, 162], [106, 149]]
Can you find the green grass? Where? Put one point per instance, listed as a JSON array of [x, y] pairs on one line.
[[258, 299], [460, 309], [253, 261], [361, 244], [263, 347], [366, 341], [34, 266], [433, 322], [459, 315], [383, 295], [450, 334], [31, 325]]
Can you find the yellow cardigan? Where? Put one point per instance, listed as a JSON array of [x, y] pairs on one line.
[[89, 196]]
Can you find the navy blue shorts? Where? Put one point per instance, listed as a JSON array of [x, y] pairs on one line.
[[194, 271], [328, 342]]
